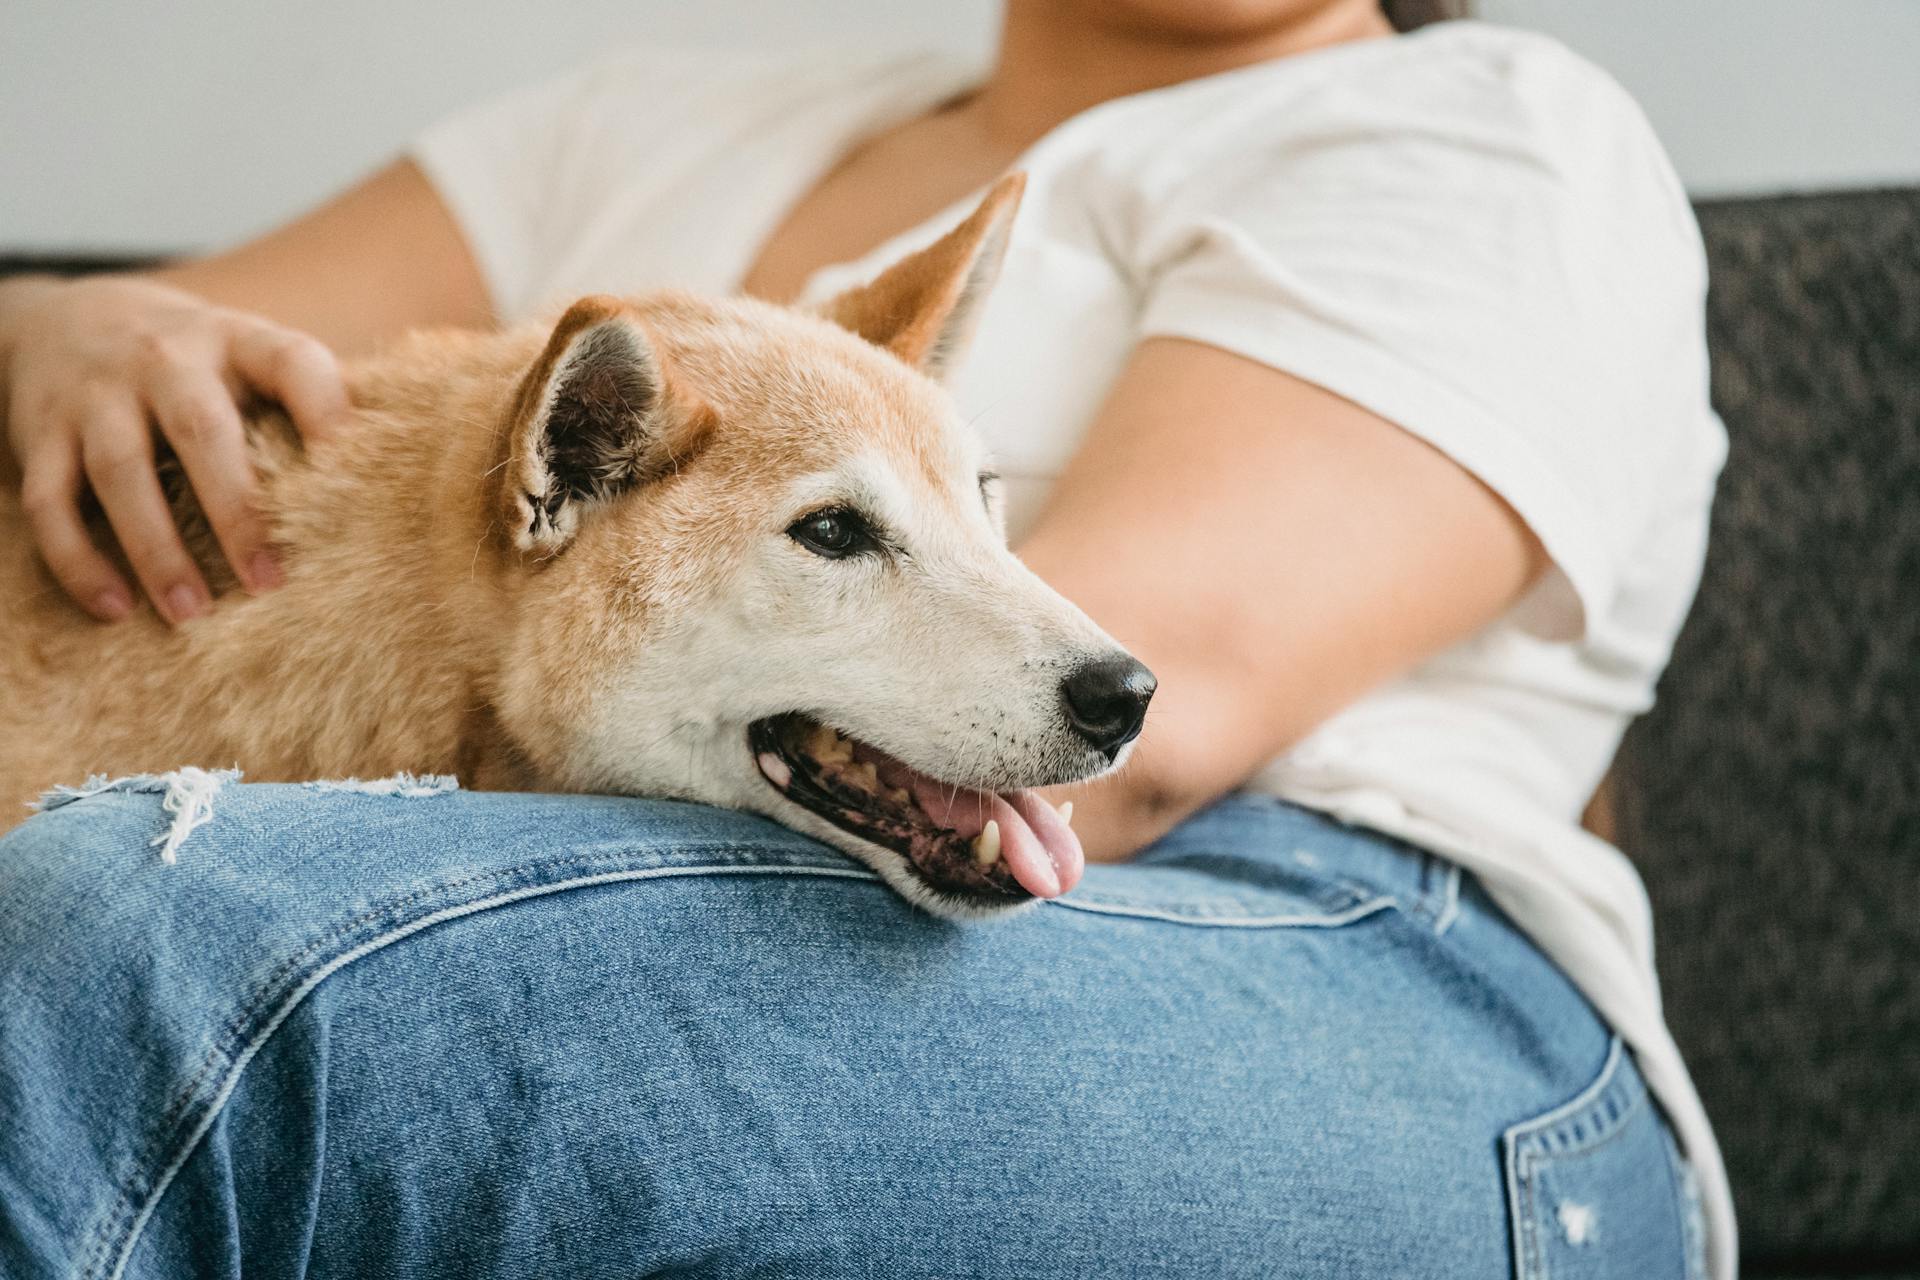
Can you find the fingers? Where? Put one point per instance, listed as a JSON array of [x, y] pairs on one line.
[[197, 415], [117, 453], [298, 371], [184, 366], [50, 492]]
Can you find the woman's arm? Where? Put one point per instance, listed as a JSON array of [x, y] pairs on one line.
[[1272, 551], [90, 368], [381, 258]]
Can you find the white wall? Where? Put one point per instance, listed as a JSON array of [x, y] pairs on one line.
[[1758, 95], [170, 125]]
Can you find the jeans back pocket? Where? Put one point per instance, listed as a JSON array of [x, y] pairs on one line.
[[1596, 1190]]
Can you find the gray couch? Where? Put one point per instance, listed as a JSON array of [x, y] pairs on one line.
[[1772, 798]]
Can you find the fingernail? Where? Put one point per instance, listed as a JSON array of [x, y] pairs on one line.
[[184, 602], [112, 604], [263, 573]]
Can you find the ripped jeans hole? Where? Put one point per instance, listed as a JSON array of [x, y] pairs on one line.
[[187, 795]]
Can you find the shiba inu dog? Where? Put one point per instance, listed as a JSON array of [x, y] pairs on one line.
[[712, 550]]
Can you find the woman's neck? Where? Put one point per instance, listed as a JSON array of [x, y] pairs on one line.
[[1057, 58]]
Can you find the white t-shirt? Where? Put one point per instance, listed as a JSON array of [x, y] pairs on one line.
[[1469, 231]]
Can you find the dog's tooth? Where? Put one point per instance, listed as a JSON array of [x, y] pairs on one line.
[[986, 845], [1066, 812], [865, 776], [827, 745], [775, 768], [899, 795]]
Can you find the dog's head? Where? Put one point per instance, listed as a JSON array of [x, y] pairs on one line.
[[760, 563]]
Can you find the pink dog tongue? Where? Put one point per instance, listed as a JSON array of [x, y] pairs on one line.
[[1055, 838], [1040, 849]]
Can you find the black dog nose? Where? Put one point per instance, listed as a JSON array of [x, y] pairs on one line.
[[1107, 700]]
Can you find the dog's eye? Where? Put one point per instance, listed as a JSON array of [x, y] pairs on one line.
[[835, 533]]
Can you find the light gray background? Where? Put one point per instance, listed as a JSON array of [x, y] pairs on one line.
[[160, 126]]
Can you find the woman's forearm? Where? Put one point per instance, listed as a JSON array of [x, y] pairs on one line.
[[1272, 552]]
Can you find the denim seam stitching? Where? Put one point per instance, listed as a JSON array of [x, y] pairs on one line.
[[237, 1024], [1358, 911], [1580, 1101], [1356, 891], [1450, 903], [1437, 898], [1684, 1205], [1537, 1151], [1692, 1216], [128, 1220], [1525, 1156], [1534, 1156]]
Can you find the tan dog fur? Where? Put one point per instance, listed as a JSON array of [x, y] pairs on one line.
[[434, 620]]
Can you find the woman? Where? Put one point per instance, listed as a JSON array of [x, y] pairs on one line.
[[1353, 380]]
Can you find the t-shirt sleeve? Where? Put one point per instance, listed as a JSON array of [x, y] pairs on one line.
[[494, 165], [524, 172], [1493, 255]]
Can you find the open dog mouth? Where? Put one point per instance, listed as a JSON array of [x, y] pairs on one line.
[[974, 844]]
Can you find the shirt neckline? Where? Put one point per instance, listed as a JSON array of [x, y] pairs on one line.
[[902, 88], [965, 75]]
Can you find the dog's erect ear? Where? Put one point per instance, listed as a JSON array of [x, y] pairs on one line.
[[597, 414], [922, 308]]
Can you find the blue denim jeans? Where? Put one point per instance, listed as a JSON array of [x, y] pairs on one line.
[[463, 1035]]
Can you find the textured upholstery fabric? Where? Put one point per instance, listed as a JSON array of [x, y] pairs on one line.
[[1772, 798]]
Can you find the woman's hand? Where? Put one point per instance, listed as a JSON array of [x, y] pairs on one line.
[[89, 370]]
